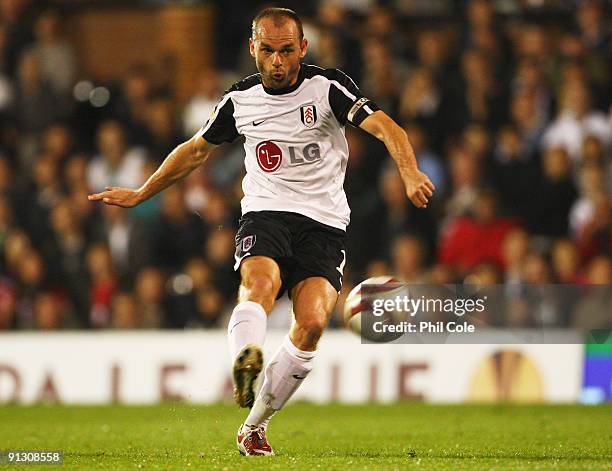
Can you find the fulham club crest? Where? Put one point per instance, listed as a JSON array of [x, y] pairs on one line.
[[247, 243], [308, 114]]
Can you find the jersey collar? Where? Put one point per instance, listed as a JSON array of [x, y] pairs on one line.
[[291, 88]]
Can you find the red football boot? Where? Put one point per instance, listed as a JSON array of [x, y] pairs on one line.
[[252, 441]]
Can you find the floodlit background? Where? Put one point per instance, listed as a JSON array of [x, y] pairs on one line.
[[507, 104]]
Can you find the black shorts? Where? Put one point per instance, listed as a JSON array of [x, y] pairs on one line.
[[301, 246]]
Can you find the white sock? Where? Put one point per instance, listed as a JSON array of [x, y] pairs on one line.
[[283, 375], [246, 325]]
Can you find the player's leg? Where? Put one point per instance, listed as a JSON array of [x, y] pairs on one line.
[[261, 239], [317, 257], [313, 302], [260, 283]]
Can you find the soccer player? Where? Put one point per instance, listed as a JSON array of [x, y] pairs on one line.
[[292, 231]]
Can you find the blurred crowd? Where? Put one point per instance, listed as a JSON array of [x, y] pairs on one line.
[[509, 115]]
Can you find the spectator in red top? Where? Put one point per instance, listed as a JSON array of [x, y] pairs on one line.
[[103, 285], [8, 304], [468, 241]]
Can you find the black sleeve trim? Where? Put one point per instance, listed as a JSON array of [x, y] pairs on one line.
[[340, 103], [221, 127], [349, 105]]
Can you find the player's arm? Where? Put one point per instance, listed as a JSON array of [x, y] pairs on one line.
[[185, 158], [419, 187], [350, 106]]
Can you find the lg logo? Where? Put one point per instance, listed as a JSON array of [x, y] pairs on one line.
[[270, 156]]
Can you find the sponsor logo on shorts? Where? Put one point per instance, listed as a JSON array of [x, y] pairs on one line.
[[247, 243]]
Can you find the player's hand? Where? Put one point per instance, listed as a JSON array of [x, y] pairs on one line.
[[419, 189], [124, 197]]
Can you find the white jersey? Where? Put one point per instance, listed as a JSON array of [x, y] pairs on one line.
[[296, 151]]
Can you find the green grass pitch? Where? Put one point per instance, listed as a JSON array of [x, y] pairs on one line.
[[307, 437]]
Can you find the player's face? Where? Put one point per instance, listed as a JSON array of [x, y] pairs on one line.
[[277, 50]]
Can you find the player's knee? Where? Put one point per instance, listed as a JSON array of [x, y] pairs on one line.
[[260, 288], [262, 284], [313, 327]]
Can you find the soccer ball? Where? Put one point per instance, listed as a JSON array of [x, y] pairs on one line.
[[356, 302]]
